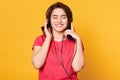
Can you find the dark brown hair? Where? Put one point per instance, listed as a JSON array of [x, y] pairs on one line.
[[66, 9]]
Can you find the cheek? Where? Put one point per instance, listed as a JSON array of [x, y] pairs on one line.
[[52, 22], [65, 22]]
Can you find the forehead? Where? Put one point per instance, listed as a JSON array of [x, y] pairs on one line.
[[58, 11]]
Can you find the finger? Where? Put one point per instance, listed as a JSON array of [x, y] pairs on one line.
[[49, 30], [67, 32], [45, 24]]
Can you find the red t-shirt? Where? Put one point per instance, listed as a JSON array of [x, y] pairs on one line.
[[53, 69]]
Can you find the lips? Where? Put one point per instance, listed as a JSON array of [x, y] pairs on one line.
[[59, 25]]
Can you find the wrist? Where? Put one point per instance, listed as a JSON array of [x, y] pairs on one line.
[[77, 38], [48, 39]]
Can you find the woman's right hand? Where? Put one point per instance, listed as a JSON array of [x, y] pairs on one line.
[[47, 30]]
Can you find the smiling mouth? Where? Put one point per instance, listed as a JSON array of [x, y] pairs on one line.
[[59, 25]]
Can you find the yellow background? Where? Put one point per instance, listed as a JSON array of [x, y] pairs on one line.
[[96, 21]]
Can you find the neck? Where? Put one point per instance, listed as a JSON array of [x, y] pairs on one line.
[[58, 36]]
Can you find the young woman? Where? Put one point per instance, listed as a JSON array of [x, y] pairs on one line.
[[58, 53]]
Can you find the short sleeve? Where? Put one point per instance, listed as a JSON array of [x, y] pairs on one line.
[[38, 41]]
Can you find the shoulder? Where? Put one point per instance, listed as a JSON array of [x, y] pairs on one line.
[[71, 41], [39, 40], [40, 37]]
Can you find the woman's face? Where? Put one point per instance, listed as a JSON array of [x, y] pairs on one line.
[[59, 20]]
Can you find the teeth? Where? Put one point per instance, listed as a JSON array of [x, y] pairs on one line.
[[59, 25]]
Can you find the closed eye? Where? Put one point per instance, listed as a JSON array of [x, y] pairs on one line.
[[64, 17], [54, 16]]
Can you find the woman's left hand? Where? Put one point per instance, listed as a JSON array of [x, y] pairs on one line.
[[71, 32]]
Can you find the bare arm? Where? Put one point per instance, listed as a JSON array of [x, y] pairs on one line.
[[40, 52], [78, 59]]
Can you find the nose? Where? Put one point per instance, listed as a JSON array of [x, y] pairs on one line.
[[59, 20]]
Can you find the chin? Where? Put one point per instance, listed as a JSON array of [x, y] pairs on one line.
[[60, 30]]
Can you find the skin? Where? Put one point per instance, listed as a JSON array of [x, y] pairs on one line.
[[59, 22]]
